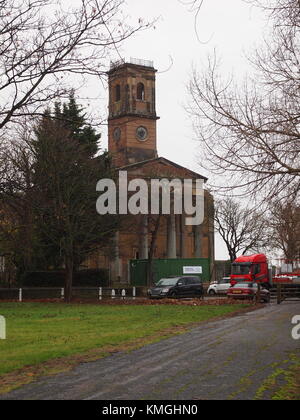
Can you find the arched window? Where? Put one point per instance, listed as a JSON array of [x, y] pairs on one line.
[[140, 94], [118, 93]]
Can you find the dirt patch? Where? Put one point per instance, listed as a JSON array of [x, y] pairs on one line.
[[142, 301]]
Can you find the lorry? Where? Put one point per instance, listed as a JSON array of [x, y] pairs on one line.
[[255, 268], [251, 268]]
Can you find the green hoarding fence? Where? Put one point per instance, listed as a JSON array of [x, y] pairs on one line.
[[166, 268]]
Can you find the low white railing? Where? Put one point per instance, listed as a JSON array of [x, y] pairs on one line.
[[99, 293]]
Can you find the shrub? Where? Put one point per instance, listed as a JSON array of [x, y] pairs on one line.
[[82, 278]]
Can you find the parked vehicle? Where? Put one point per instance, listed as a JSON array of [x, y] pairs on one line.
[[219, 287], [255, 268], [181, 286], [251, 268], [246, 290]]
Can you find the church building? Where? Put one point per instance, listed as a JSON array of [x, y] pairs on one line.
[[132, 143]]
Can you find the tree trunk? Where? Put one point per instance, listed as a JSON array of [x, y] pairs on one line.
[[232, 254], [151, 251], [149, 271], [69, 278]]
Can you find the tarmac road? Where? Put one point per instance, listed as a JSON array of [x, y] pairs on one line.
[[225, 359]]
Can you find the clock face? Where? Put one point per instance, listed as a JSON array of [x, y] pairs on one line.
[[117, 134], [142, 133]]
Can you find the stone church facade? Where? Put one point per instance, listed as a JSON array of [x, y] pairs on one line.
[[132, 143]]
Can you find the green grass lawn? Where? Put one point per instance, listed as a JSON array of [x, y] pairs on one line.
[[37, 332]]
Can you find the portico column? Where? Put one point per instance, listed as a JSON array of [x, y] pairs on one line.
[[116, 266], [183, 237], [171, 251], [198, 232], [144, 247]]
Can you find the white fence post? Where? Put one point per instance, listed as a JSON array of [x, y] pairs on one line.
[[62, 293], [100, 293], [133, 293], [20, 295], [2, 328], [113, 293], [123, 294]]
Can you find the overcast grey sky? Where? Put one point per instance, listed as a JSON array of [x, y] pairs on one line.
[[233, 27]]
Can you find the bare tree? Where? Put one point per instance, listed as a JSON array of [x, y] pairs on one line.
[[194, 6], [252, 133], [41, 43], [243, 230], [155, 225], [16, 205], [48, 196], [285, 225]]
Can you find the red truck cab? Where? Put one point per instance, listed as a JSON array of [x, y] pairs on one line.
[[251, 268]]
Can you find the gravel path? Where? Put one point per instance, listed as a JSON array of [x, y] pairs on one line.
[[225, 359]]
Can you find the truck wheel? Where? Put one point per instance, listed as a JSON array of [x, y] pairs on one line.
[[212, 293]]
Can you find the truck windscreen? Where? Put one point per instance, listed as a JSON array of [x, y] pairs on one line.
[[239, 269]]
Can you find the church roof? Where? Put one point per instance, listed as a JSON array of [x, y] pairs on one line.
[[163, 164]]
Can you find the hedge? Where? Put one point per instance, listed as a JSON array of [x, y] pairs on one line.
[[82, 278]]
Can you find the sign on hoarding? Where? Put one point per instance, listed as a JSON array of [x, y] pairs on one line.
[[192, 270]]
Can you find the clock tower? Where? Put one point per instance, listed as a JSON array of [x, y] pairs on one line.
[[132, 113]]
